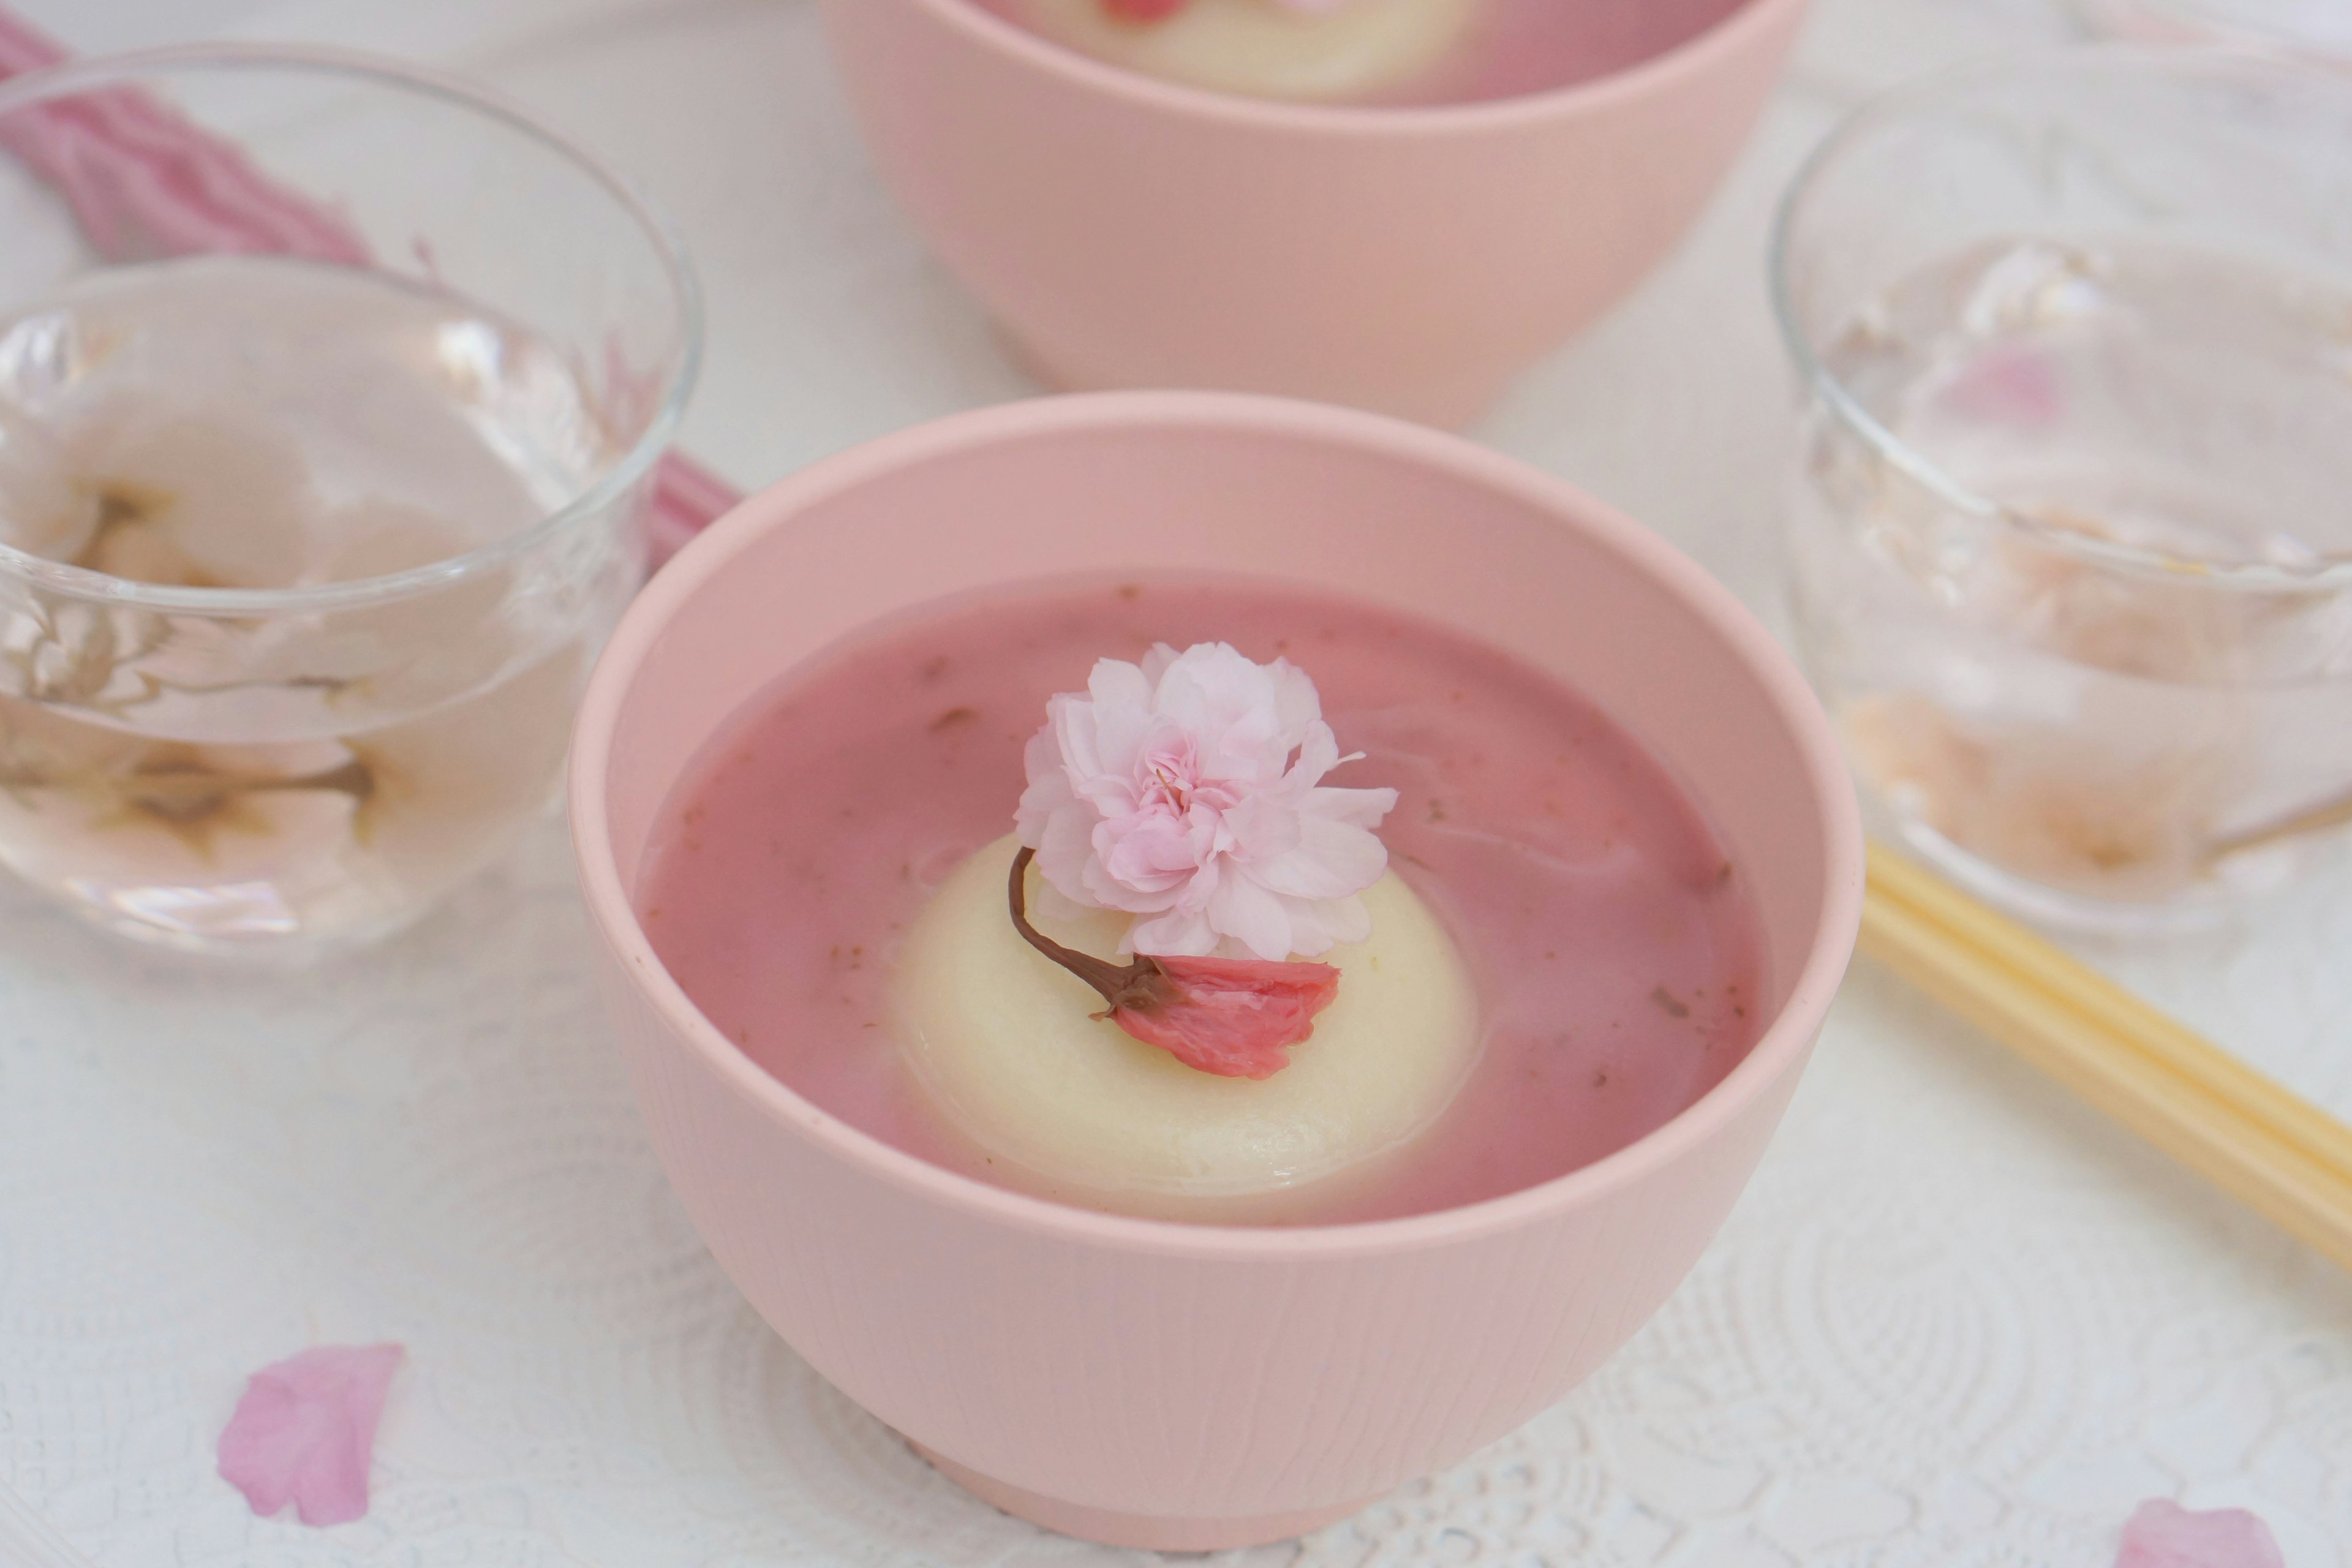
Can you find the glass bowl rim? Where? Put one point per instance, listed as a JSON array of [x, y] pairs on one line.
[[400, 77], [1951, 85]]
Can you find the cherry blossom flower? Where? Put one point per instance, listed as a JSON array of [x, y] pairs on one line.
[[304, 1432], [1187, 791]]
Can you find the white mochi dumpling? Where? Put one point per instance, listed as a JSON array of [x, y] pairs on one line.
[[1264, 49], [1004, 1039]]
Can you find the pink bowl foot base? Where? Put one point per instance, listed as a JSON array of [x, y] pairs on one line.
[[1139, 1531]]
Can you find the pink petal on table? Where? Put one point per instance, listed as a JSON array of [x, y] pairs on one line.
[[2163, 1534], [305, 1431]]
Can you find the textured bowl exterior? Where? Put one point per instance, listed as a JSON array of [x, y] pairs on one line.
[[1160, 1383], [1132, 233]]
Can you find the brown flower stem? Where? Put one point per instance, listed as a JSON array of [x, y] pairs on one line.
[[1140, 986]]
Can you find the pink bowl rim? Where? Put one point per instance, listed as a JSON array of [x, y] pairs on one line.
[[1694, 55], [1789, 1036]]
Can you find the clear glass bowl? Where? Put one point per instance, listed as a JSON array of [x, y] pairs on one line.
[[330, 396], [2071, 538]]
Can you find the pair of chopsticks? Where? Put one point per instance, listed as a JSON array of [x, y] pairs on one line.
[[2279, 1155]]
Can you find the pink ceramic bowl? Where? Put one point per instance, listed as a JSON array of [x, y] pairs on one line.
[[1139, 1382], [1128, 232]]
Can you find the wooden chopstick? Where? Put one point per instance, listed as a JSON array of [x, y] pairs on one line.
[[2279, 1154]]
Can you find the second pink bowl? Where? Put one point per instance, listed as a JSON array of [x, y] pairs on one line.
[[1131, 233], [1138, 1382]]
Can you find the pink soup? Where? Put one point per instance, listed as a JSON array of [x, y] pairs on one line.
[[1614, 948]]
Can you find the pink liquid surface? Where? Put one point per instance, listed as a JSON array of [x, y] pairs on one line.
[[1522, 47], [1614, 948]]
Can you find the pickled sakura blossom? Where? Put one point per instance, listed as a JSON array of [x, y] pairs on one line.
[[1235, 1017]]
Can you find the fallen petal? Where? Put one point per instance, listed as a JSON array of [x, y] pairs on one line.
[[1235, 1017], [305, 1431], [2163, 1534]]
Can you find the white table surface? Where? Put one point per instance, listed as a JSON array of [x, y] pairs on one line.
[[1956, 1319]]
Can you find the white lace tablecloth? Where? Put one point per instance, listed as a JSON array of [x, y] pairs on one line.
[[1957, 1320]]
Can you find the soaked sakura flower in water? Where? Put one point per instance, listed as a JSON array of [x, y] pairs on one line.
[[1187, 791], [304, 1432], [190, 497], [2163, 1534]]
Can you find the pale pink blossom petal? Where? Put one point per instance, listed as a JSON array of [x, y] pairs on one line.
[[1186, 790], [2163, 1534], [305, 1430]]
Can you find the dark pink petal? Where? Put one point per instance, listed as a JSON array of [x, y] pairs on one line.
[[1237, 1018], [305, 1431], [2163, 1534], [1143, 10]]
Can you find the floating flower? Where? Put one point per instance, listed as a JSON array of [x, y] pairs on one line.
[[2163, 1534], [304, 1432], [1187, 791]]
